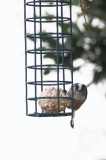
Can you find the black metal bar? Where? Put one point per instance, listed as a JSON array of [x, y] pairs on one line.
[[35, 56], [45, 51], [47, 98], [71, 57], [31, 3], [57, 45], [26, 89], [40, 6], [52, 66], [50, 114], [31, 19], [62, 43], [49, 82]]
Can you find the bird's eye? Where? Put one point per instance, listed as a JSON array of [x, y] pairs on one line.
[[83, 87], [76, 87]]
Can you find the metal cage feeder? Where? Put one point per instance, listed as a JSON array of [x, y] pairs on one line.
[[45, 35]]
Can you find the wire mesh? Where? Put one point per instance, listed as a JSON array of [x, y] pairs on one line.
[[48, 28]]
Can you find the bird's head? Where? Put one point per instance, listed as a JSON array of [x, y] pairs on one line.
[[79, 87], [79, 90]]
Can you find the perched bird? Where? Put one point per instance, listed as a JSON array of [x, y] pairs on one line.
[[79, 96], [51, 104]]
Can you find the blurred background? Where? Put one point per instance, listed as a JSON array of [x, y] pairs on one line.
[[27, 138]]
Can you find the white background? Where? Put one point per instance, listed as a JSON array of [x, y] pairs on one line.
[[27, 138]]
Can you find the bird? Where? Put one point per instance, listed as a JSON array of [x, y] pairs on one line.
[[49, 103], [80, 92]]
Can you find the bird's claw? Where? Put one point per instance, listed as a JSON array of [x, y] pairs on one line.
[[72, 123]]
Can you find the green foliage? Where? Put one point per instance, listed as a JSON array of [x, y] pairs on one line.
[[97, 40], [95, 53], [89, 46]]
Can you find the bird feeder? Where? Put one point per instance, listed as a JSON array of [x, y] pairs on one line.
[[48, 33]]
